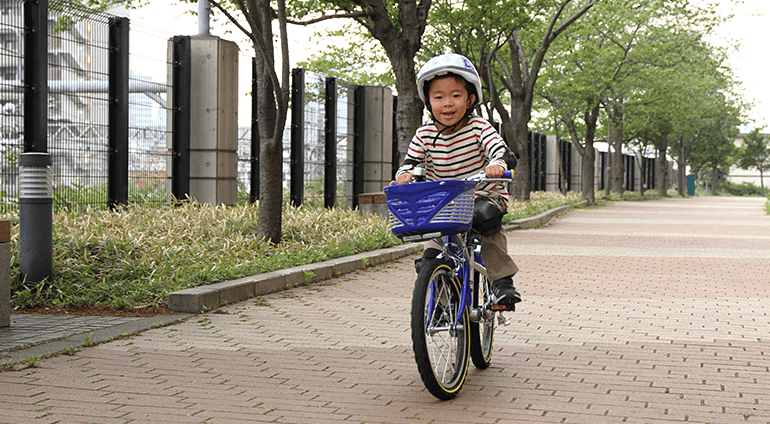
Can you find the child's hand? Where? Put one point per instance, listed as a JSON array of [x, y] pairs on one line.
[[404, 178], [494, 171]]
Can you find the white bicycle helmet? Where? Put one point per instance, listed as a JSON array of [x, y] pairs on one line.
[[444, 64]]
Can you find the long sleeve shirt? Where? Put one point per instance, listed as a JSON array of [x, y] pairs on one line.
[[458, 155]]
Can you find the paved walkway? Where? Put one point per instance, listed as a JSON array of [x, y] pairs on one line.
[[28, 329], [636, 312]]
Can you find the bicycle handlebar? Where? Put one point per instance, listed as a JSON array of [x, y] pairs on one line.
[[481, 177]]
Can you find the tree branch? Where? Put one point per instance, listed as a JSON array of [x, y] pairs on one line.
[[352, 15], [232, 19]]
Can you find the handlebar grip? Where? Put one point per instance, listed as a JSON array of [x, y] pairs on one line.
[[508, 174]]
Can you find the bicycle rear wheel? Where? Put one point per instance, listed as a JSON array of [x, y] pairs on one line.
[[483, 331], [440, 346]]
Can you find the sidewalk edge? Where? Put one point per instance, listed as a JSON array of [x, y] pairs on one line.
[[199, 299]]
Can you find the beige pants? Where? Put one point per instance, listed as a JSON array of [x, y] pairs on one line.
[[494, 253]]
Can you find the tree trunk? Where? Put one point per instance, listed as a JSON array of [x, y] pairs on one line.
[[409, 107], [714, 180], [521, 179], [269, 220], [681, 161], [617, 167], [401, 43], [589, 173], [661, 167], [586, 151]]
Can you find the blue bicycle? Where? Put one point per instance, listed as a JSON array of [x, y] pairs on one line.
[[454, 311]]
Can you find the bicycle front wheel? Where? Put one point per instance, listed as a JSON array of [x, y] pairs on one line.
[[440, 342], [483, 331]]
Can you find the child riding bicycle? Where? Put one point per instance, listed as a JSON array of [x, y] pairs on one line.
[[456, 145]]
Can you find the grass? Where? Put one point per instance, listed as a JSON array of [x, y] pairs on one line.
[[133, 258], [540, 201]]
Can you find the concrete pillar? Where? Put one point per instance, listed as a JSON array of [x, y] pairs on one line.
[[5, 274], [576, 179], [551, 164], [597, 170], [378, 136], [214, 123], [671, 176], [378, 149]]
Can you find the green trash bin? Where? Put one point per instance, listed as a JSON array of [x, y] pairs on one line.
[[691, 185]]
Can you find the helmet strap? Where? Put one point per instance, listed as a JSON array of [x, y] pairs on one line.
[[468, 113]]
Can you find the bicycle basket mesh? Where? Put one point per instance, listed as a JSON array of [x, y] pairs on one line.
[[433, 206]]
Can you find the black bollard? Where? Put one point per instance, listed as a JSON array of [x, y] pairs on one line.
[[35, 217]]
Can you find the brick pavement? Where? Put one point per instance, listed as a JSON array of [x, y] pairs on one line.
[[636, 312], [28, 329]]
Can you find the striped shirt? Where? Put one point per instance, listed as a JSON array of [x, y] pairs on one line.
[[459, 155]]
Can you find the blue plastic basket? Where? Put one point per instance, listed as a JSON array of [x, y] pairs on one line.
[[430, 209]]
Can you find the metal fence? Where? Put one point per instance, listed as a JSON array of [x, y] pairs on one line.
[[11, 99], [79, 126], [78, 112], [78, 121], [314, 162], [315, 136], [148, 114]]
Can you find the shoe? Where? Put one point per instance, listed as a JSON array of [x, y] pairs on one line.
[[505, 292]]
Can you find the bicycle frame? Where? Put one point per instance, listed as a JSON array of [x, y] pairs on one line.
[[444, 338], [456, 250]]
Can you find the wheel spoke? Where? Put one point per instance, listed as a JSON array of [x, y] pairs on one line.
[[441, 342]]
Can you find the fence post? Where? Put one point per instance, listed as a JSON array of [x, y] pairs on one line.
[[117, 187], [5, 274], [566, 166], [297, 164], [359, 119], [330, 143], [36, 76], [181, 81], [255, 146], [395, 154]]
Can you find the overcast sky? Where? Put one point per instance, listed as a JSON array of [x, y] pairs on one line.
[[749, 28], [750, 63]]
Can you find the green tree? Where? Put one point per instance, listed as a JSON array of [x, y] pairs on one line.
[[272, 102], [715, 148], [353, 56], [672, 104], [621, 56], [398, 26], [588, 61], [755, 153], [508, 42]]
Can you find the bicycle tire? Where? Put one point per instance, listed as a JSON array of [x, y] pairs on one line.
[[483, 331], [440, 351]]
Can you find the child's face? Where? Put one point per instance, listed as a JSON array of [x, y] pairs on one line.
[[449, 99]]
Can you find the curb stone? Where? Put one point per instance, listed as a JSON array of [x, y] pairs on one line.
[[197, 299]]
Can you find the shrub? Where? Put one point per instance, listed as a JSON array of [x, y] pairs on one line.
[[745, 188]]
